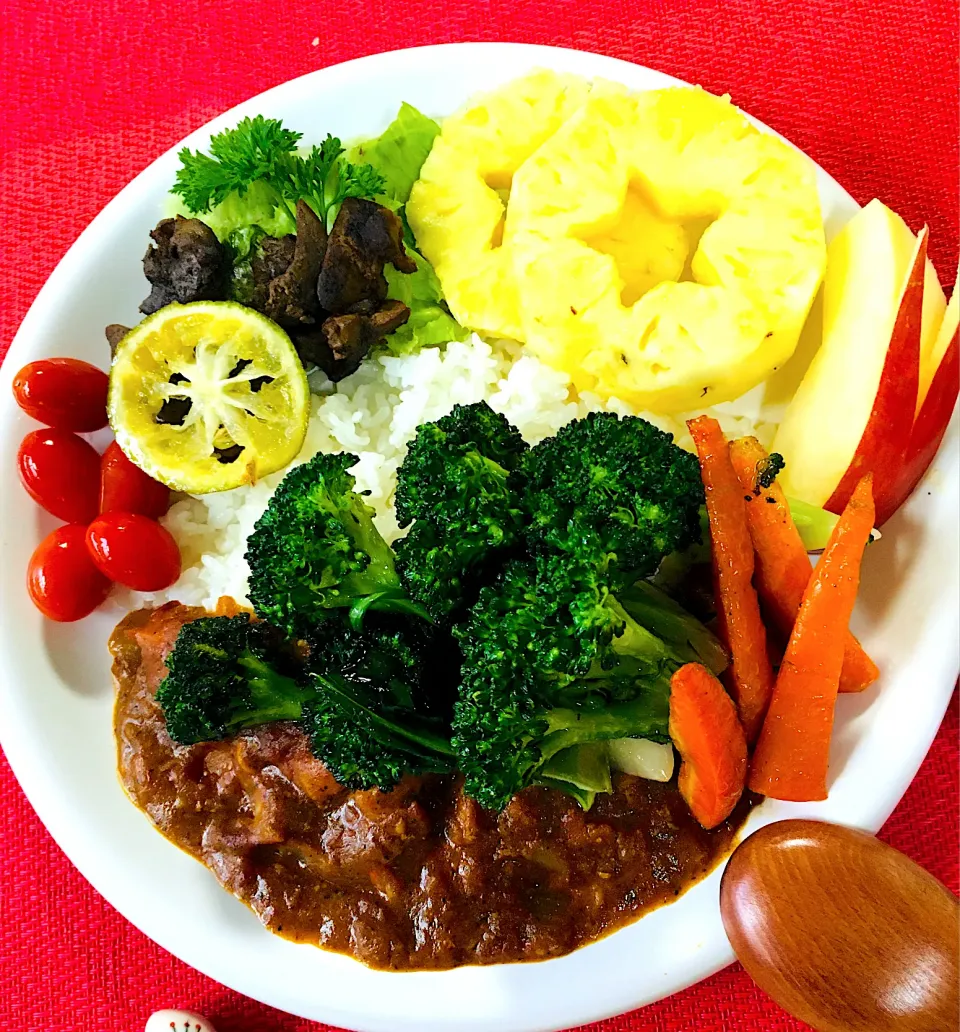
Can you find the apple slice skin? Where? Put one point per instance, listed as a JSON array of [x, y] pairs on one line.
[[931, 424], [886, 437]]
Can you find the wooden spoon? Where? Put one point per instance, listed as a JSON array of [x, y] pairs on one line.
[[843, 931]]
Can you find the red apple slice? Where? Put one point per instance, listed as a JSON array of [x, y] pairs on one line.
[[886, 437], [868, 265], [934, 307], [937, 407]]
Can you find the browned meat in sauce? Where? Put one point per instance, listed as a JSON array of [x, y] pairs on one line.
[[420, 877], [364, 238], [185, 263]]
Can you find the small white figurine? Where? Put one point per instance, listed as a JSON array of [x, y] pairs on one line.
[[178, 1021]]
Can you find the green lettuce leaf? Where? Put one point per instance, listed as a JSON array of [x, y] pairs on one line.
[[399, 151], [256, 209], [430, 321], [242, 245], [398, 154]]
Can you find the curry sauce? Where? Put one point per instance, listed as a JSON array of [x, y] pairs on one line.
[[416, 878]]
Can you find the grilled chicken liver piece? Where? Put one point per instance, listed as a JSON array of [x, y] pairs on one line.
[[342, 342], [286, 270], [115, 333], [365, 236], [185, 263], [349, 337]]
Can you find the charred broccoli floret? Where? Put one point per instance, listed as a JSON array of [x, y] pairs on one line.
[[371, 740], [364, 699], [383, 700]]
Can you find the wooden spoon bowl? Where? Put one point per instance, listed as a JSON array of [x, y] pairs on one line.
[[843, 931]]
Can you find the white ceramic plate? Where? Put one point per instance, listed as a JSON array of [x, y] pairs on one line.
[[56, 694]]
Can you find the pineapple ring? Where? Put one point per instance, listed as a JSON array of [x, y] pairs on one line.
[[457, 208], [689, 157]]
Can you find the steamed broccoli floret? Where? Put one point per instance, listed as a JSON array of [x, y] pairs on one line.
[[472, 449], [225, 674], [458, 483], [383, 702], [552, 660], [364, 699], [623, 479], [443, 566], [316, 552]]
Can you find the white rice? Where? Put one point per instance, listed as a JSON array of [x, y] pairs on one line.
[[375, 413]]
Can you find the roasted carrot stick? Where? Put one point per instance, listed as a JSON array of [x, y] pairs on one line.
[[782, 567], [790, 761], [738, 611], [709, 737]]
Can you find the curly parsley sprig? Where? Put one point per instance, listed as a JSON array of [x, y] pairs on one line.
[[261, 150]]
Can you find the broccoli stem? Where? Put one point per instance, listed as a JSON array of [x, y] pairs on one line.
[[686, 636], [394, 600], [637, 641], [379, 573], [640, 653], [378, 585], [274, 696], [646, 716], [585, 768]]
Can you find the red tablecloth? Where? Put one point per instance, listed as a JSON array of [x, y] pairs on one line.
[[92, 92]]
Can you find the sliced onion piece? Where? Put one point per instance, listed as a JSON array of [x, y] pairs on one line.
[[641, 757]]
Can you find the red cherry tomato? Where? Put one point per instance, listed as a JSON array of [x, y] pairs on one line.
[[63, 392], [61, 578], [124, 487], [61, 472], [134, 550]]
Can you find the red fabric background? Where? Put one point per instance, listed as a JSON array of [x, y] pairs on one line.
[[92, 92]]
